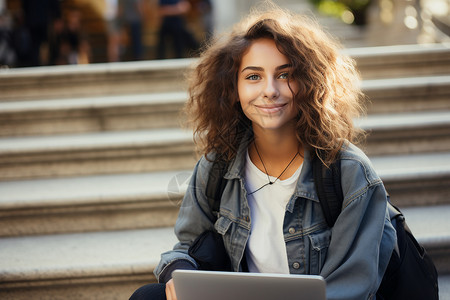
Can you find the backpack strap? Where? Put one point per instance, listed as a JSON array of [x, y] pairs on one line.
[[216, 184], [329, 190]]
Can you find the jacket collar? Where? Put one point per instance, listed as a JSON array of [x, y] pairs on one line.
[[305, 184]]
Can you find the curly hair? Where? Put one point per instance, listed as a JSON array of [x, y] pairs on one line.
[[328, 99]]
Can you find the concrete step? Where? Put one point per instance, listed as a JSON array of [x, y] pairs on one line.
[[96, 153], [57, 82], [149, 150], [416, 179], [172, 149], [111, 265], [412, 94], [401, 60], [131, 201], [406, 133], [91, 203], [99, 265], [162, 110], [73, 81], [444, 286], [93, 114], [430, 226]]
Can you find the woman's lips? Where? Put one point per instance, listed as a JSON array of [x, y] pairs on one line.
[[271, 109]]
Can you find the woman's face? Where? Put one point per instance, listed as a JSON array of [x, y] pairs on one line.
[[265, 93]]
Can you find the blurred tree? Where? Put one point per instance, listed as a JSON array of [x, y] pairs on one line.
[[349, 11]]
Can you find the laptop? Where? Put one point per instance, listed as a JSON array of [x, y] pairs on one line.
[[206, 285]]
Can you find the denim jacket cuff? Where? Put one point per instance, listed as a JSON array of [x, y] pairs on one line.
[[166, 274]]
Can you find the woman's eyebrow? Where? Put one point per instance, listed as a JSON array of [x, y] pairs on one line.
[[253, 68], [285, 66]]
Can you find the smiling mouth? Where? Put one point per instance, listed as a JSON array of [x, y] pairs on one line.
[[271, 109]]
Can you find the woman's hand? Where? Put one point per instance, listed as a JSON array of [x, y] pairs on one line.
[[170, 290]]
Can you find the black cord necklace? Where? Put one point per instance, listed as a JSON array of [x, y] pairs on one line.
[[267, 173]]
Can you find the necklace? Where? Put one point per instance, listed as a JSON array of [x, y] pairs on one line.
[[267, 173]]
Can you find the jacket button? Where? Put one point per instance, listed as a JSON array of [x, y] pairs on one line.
[[296, 265], [292, 230]]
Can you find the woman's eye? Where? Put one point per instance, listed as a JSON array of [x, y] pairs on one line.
[[284, 75], [252, 77]]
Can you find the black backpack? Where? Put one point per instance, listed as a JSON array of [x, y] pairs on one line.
[[410, 275]]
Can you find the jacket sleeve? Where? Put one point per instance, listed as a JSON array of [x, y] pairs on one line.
[[362, 238], [194, 217]]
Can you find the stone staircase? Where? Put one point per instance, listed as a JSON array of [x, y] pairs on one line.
[[93, 163]]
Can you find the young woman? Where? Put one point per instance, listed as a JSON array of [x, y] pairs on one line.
[[266, 99]]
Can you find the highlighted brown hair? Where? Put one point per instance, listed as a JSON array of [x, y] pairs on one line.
[[328, 99]]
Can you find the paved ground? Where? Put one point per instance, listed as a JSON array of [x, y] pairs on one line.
[[444, 287]]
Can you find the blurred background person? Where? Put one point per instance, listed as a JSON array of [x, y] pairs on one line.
[[113, 26], [173, 29], [206, 14], [7, 53], [132, 14], [67, 42], [38, 17]]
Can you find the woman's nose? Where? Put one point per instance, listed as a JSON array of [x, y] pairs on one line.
[[271, 89]]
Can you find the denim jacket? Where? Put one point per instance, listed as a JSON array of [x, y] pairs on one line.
[[352, 256]]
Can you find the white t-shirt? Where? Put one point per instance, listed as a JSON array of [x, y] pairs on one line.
[[266, 248]]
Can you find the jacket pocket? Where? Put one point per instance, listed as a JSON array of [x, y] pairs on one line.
[[318, 250]]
